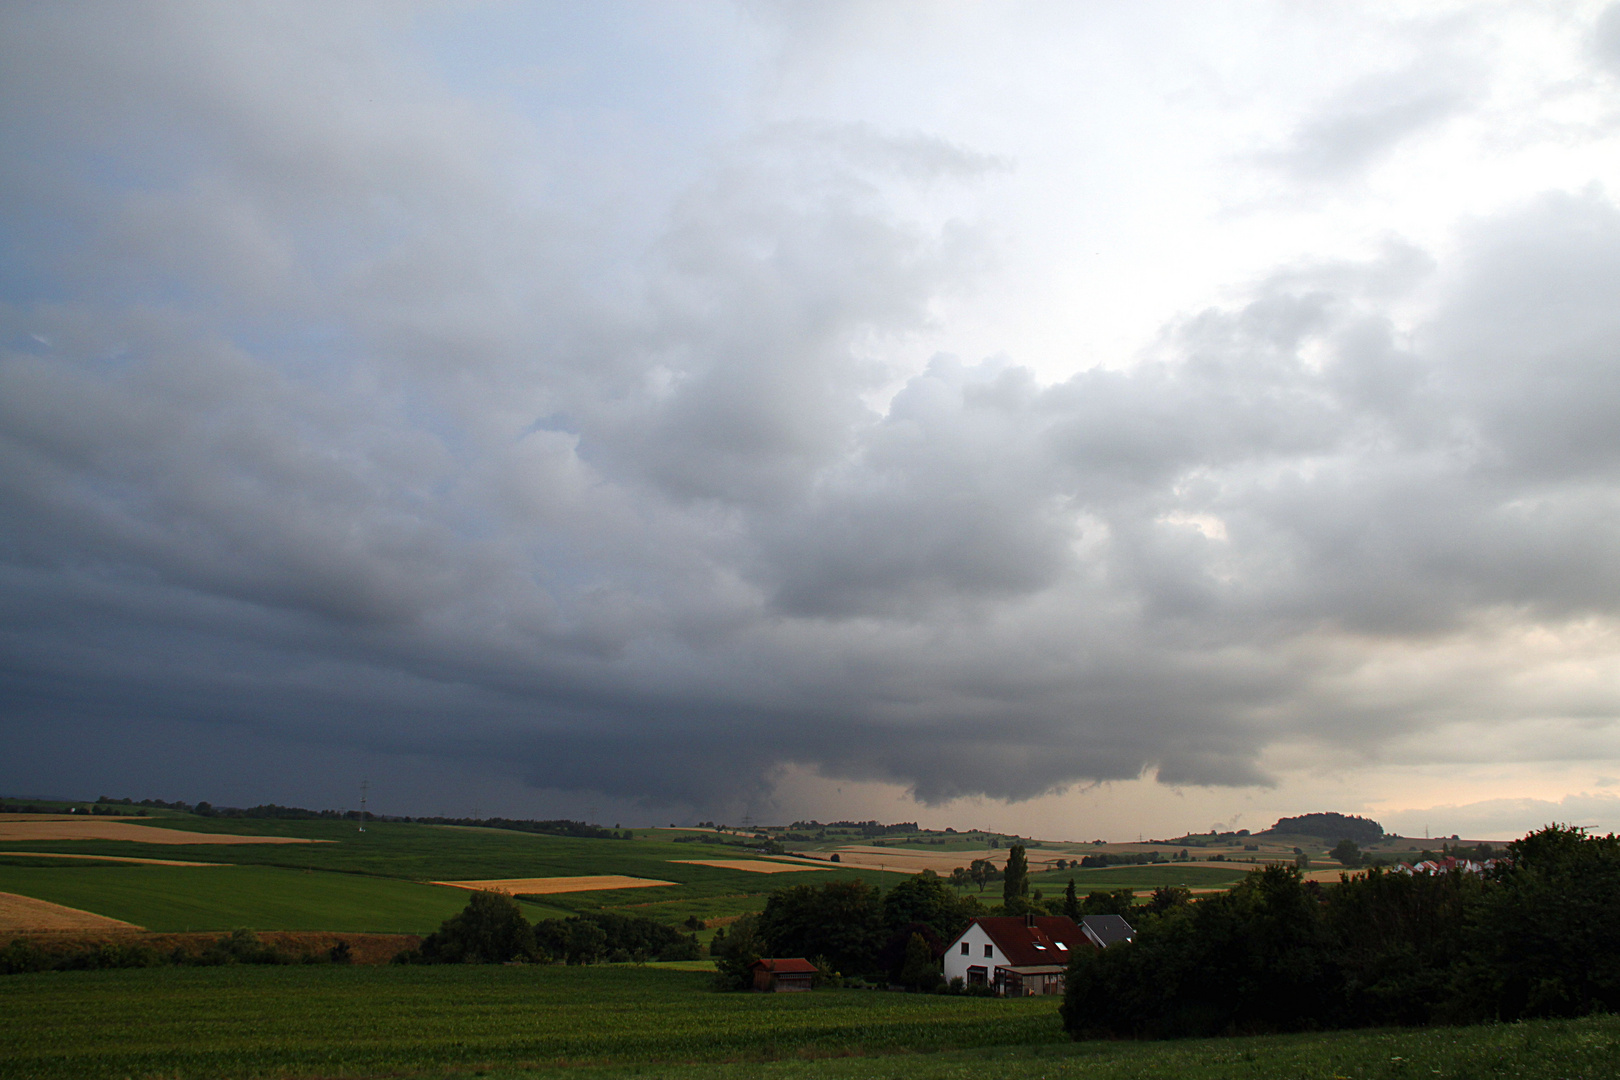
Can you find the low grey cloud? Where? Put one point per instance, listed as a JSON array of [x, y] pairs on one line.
[[318, 426], [1606, 37], [1364, 123]]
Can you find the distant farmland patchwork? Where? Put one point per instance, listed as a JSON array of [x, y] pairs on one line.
[[397, 877], [326, 875]]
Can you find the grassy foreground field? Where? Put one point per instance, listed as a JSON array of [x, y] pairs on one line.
[[623, 1021]]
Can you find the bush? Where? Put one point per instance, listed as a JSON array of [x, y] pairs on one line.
[[20, 957], [241, 947]]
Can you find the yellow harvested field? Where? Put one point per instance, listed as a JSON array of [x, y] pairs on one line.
[[26, 913], [909, 861], [25, 828], [545, 886], [111, 858], [756, 866]]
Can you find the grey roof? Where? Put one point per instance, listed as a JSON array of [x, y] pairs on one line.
[[1107, 930]]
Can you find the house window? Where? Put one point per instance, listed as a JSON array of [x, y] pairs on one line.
[[964, 948], [1062, 946], [989, 951]]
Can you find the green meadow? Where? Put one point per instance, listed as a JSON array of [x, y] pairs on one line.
[[378, 880], [180, 898], [1135, 877], [623, 1021]]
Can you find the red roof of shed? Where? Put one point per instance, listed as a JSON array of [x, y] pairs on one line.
[[787, 966]]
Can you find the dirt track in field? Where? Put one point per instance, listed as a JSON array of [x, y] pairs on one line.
[[545, 886], [755, 866], [26, 913], [26, 828], [109, 858]]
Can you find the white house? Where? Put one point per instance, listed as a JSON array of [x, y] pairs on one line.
[[1018, 955]]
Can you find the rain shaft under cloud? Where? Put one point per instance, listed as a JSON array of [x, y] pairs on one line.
[[346, 409]]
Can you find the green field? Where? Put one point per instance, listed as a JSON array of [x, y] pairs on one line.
[[1136, 877], [376, 880], [602, 1022], [181, 898], [322, 1020]]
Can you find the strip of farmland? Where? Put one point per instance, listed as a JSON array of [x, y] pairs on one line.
[[552, 885]]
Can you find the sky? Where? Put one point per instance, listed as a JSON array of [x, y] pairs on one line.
[[1084, 420]]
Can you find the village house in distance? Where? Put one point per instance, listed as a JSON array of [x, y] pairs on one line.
[[1026, 955]]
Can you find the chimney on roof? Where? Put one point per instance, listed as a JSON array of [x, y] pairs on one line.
[[1029, 919]]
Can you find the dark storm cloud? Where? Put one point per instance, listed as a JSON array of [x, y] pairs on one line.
[[319, 426]]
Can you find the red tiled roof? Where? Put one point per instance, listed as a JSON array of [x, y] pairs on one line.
[[787, 966], [1024, 945]]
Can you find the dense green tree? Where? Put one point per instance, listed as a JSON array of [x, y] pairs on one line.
[[599, 935], [1347, 852], [1396, 938], [1546, 939], [735, 953], [926, 898], [920, 970], [1015, 880], [1121, 902], [841, 920], [491, 929], [1166, 897], [1071, 902]]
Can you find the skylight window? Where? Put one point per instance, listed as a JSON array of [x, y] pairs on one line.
[[1062, 946]]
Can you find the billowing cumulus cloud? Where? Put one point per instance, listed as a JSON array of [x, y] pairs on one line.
[[345, 408]]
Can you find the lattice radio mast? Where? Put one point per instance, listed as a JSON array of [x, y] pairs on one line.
[[365, 785]]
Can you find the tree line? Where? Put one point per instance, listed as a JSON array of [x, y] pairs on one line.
[[492, 929], [21, 956], [1537, 936]]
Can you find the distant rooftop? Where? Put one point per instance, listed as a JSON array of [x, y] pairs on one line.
[[1106, 930]]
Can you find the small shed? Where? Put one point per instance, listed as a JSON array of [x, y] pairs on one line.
[[783, 975]]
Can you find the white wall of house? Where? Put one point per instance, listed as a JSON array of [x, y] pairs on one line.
[[977, 942]]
